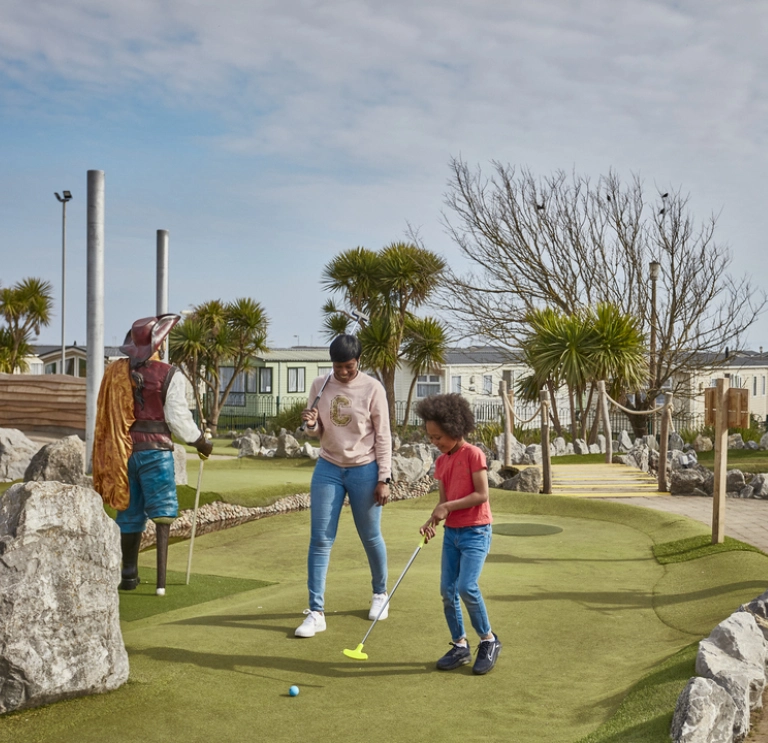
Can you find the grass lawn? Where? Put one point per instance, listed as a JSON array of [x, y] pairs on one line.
[[599, 636], [745, 460]]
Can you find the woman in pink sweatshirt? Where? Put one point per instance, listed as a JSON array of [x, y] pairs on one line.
[[351, 418]]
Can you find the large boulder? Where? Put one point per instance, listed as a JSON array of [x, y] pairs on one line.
[[764, 441], [517, 449], [580, 446], [734, 483], [16, 452], [759, 486], [412, 462], [59, 614], [735, 441], [696, 480], [249, 445], [62, 461], [703, 443], [704, 713], [559, 446], [533, 454], [624, 442], [526, 481], [734, 656], [287, 446], [675, 442]]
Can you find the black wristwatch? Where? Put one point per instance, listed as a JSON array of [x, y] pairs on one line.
[[386, 482]]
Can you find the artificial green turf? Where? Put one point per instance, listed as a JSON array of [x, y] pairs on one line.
[[142, 602], [682, 550], [645, 714], [591, 625], [256, 482]]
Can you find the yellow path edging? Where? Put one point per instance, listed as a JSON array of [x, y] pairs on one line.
[[602, 481]]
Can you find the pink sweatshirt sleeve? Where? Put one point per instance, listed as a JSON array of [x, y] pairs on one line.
[[380, 420]]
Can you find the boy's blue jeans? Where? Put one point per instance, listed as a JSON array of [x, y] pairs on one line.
[[464, 553], [330, 483]]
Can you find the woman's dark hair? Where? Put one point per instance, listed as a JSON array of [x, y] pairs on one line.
[[345, 348], [451, 412]]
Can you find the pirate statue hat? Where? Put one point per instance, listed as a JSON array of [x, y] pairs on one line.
[[146, 336]]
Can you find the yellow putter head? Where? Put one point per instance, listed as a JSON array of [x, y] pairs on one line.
[[357, 653]]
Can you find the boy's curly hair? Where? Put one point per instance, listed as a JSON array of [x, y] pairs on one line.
[[451, 412]]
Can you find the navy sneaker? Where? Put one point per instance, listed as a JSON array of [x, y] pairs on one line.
[[487, 655], [457, 656]]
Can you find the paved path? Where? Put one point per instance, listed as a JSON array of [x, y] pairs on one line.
[[745, 519]]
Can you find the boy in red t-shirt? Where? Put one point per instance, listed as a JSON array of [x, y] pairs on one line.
[[463, 478]]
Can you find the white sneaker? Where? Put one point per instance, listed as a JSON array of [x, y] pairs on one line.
[[378, 600], [315, 622]]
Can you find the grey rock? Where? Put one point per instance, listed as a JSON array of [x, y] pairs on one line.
[[59, 615], [268, 441], [559, 446], [533, 454], [580, 446], [764, 441], [62, 461], [407, 469], [650, 441], [625, 442], [734, 656], [696, 480], [16, 452], [526, 481], [704, 713], [675, 441], [734, 481], [703, 443], [752, 445], [746, 492], [759, 485], [517, 449], [601, 443], [249, 445], [180, 464], [396, 442], [307, 450], [594, 449], [735, 441], [287, 446]]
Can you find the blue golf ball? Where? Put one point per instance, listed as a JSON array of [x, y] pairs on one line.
[[294, 691]]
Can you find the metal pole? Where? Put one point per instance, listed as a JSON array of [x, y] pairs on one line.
[[162, 278], [95, 306], [63, 284]]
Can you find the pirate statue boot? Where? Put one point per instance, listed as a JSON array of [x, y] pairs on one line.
[[163, 532], [129, 544]]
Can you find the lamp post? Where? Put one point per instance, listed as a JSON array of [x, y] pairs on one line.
[[67, 196], [654, 271]]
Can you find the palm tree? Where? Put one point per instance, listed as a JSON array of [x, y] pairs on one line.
[[424, 348], [26, 308], [218, 334], [387, 286], [578, 350]]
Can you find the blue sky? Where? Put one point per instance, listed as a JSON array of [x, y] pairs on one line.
[[269, 136]]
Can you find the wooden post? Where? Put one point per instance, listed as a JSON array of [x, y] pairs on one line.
[[507, 423], [721, 461], [664, 443], [546, 455]]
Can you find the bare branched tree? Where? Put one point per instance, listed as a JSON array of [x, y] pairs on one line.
[[568, 242]]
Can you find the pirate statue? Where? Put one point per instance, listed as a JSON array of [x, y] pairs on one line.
[[141, 403]]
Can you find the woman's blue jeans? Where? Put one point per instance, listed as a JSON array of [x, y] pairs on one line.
[[330, 484], [464, 553]]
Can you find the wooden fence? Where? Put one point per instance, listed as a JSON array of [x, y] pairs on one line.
[[42, 403]]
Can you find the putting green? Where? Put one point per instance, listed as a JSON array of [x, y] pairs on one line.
[[584, 614]]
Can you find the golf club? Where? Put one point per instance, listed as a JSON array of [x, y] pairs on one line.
[[194, 513], [358, 653], [317, 399]]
